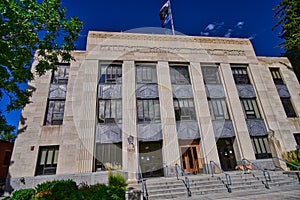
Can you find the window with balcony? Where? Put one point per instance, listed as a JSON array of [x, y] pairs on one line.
[[218, 109], [146, 74], [148, 110], [110, 111], [240, 75], [288, 107], [111, 74], [211, 75], [276, 76], [47, 160], [180, 75], [261, 147], [184, 109], [250, 108]]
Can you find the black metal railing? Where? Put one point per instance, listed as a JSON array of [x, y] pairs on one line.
[[291, 164], [265, 173], [227, 176], [186, 180], [143, 182]]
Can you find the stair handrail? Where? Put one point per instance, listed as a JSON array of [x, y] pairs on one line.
[[265, 172], [186, 180], [227, 176], [296, 166], [143, 182]]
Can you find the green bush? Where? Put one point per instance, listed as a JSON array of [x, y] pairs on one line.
[[116, 180], [291, 157], [24, 194]]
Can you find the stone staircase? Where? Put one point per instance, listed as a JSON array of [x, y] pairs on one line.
[[203, 185]]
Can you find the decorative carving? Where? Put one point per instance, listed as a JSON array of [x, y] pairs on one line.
[[246, 91], [149, 132], [182, 91], [147, 91], [188, 130], [110, 91], [256, 127], [57, 91], [108, 133], [223, 128], [215, 91], [283, 91]]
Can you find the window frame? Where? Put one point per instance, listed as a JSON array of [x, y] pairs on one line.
[[148, 70], [211, 78], [178, 78], [112, 111], [43, 160], [152, 112], [113, 71], [261, 147], [217, 104], [240, 75], [180, 107], [247, 104], [49, 120], [276, 76], [288, 107]]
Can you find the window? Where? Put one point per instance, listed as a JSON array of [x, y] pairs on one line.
[[211, 75], [261, 147], [240, 75], [47, 160], [218, 109], [288, 107], [250, 108], [184, 109], [55, 112], [57, 96], [148, 110], [111, 74], [179, 75], [6, 160], [297, 138], [146, 74], [276, 76], [109, 156], [61, 75], [110, 111]]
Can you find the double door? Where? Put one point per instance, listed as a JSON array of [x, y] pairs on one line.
[[190, 158]]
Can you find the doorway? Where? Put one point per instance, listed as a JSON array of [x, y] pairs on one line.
[[190, 157], [150, 156], [226, 154]]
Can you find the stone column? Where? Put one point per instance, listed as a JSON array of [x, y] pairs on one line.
[[129, 127], [242, 144], [170, 149], [207, 143]]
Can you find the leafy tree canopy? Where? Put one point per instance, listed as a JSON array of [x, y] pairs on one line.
[[28, 28], [288, 14]]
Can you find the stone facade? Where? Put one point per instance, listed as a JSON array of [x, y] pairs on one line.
[[80, 131]]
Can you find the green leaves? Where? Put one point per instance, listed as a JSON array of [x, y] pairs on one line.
[[28, 28], [288, 14]]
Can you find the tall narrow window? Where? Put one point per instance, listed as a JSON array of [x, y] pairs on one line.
[[180, 75], [240, 75], [297, 138], [261, 147], [57, 96], [211, 75], [111, 74], [148, 110], [110, 111], [146, 74], [250, 108], [276, 76], [184, 109], [288, 107], [218, 109], [47, 160]]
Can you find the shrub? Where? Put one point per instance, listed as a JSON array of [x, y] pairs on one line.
[[24, 194], [291, 157], [116, 180]]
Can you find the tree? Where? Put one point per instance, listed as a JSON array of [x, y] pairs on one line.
[[288, 13], [28, 28]]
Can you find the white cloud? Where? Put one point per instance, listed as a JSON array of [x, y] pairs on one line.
[[239, 25], [205, 33], [252, 36], [210, 27], [228, 33]]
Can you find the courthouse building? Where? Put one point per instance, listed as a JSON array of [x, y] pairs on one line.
[[144, 102]]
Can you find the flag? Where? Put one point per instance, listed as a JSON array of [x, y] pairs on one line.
[[167, 19], [164, 11]]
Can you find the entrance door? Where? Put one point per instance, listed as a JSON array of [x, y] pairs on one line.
[[226, 154], [151, 159], [190, 161]]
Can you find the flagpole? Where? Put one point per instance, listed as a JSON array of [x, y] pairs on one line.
[[172, 23]]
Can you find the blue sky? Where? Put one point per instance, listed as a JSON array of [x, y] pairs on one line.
[[216, 18]]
